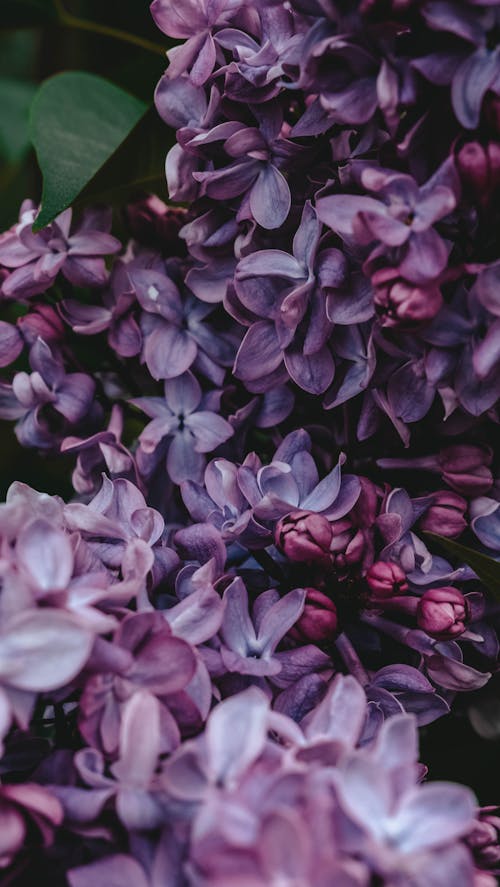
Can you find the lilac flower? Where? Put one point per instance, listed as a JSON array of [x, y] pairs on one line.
[[175, 332], [278, 289], [401, 214], [258, 153], [38, 258], [189, 419], [48, 386], [249, 645]]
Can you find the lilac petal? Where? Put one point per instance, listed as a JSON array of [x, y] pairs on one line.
[[11, 343], [259, 352], [85, 319], [270, 198], [43, 361], [434, 815], [179, 102], [169, 351], [454, 675], [93, 243], [280, 618], [269, 263], [237, 629], [472, 80], [183, 462], [75, 396], [340, 210], [487, 289], [209, 430], [12, 831], [139, 750], [41, 650], [426, 257], [340, 716], [313, 373], [385, 227], [487, 354], [46, 555], [202, 543], [198, 617], [157, 294], [235, 735], [325, 493], [113, 871], [182, 394], [125, 337]]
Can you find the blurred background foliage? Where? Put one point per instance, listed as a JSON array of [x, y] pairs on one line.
[[39, 38]]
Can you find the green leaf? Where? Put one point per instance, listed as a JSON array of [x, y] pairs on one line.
[[77, 122], [136, 167], [15, 100], [486, 568]]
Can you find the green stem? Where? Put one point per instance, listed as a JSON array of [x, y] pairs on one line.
[[72, 21]]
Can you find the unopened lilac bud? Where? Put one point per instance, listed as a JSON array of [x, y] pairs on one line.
[[446, 515], [465, 468], [386, 580], [304, 536], [483, 840], [479, 169], [43, 322], [442, 613], [399, 303], [153, 222], [318, 621]]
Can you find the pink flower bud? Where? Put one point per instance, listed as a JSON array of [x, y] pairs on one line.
[[446, 515], [41, 321], [399, 303], [442, 613], [386, 580], [479, 169], [318, 621], [304, 536], [465, 469]]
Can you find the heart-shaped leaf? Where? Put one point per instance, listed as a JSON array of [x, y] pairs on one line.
[[77, 122], [486, 568]]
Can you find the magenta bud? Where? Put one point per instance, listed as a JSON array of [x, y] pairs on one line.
[[442, 613], [446, 515], [386, 580], [479, 169], [318, 621], [465, 468], [41, 321], [399, 303], [304, 536]]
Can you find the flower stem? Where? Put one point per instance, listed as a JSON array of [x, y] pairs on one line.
[[351, 659], [72, 21]]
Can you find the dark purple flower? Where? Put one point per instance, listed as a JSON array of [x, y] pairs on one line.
[[400, 215], [38, 258]]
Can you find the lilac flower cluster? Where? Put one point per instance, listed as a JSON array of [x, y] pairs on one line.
[[214, 659]]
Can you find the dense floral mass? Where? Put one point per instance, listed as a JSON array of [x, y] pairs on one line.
[[215, 657]]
